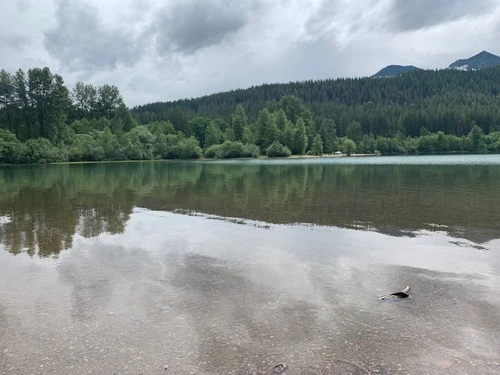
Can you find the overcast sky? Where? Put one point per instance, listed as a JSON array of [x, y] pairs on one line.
[[165, 50]]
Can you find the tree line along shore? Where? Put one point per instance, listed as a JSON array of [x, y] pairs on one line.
[[421, 112]]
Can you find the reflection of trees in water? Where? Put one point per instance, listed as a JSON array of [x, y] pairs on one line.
[[40, 223], [394, 199], [47, 205]]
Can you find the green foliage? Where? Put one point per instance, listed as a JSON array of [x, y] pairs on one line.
[[267, 131], [109, 143], [251, 150], [288, 136], [12, 151], [140, 144], [420, 112], [367, 144], [178, 117], [165, 143], [299, 138], [199, 126], [294, 108], [186, 149], [161, 127], [387, 146], [213, 134], [109, 101], [88, 125], [276, 149], [85, 148], [447, 100], [326, 128], [492, 141], [353, 131], [239, 122], [212, 151], [317, 146], [280, 120], [85, 100], [122, 120], [476, 136], [348, 147], [230, 149], [40, 150]]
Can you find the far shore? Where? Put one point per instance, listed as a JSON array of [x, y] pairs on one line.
[[324, 156], [263, 157]]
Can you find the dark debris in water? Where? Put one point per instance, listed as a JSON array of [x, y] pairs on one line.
[[280, 368], [397, 295], [337, 367]]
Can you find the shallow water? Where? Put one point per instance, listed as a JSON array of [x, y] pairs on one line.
[[203, 267]]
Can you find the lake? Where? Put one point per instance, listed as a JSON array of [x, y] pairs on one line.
[[234, 267]]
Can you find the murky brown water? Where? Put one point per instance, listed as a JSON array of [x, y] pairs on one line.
[[99, 275]]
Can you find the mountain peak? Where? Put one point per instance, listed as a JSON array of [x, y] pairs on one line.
[[483, 59], [394, 70], [484, 54]]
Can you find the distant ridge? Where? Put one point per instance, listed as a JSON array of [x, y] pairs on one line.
[[394, 70], [410, 85], [482, 60]]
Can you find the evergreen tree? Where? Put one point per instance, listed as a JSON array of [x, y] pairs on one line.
[[267, 132], [326, 128], [213, 135], [280, 120], [353, 131], [48, 100], [239, 122], [300, 138]]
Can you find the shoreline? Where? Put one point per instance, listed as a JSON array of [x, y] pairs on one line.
[[291, 157]]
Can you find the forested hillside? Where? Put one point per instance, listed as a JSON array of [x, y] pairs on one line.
[[446, 100], [443, 111]]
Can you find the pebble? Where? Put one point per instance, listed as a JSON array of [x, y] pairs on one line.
[[444, 364]]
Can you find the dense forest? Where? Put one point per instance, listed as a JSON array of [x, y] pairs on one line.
[[442, 111]]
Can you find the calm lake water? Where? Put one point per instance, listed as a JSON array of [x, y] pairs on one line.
[[234, 267]]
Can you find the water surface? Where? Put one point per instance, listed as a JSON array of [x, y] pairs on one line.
[[234, 267]]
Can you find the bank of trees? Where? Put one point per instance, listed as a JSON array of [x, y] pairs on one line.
[[447, 100], [41, 120]]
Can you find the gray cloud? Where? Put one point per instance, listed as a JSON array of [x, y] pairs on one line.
[[23, 5], [332, 16], [407, 15], [15, 41], [189, 26], [80, 41], [165, 50]]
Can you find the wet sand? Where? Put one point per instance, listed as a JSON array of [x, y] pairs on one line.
[[205, 296]]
